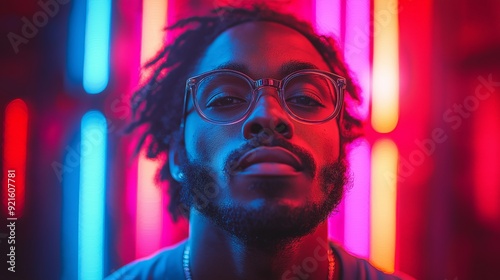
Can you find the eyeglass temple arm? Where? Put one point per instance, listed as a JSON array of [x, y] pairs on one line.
[[184, 110]]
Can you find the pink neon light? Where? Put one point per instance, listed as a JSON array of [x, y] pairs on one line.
[[357, 47], [149, 210], [328, 17], [125, 57], [336, 224], [328, 21], [357, 202], [127, 252]]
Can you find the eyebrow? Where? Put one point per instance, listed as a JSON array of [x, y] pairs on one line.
[[295, 65], [285, 69], [234, 66]]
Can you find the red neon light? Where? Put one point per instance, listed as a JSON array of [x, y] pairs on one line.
[[486, 157], [14, 168]]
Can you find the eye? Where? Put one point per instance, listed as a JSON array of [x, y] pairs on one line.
[[224, 101], [304, 101], [305, 93]]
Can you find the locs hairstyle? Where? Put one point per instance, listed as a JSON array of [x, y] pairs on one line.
[[157, 105]]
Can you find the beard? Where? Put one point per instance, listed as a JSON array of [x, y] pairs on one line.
[[270, 224]]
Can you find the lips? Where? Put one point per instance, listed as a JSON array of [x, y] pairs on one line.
[[269, 155]]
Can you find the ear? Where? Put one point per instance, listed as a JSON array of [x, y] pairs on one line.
[[174, 164]]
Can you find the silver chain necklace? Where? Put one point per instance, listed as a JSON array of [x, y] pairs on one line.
[[188, 274]]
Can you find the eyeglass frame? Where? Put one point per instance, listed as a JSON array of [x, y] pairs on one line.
[[191, 85]]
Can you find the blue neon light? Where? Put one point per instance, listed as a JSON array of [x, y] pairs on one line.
[[92, 196], [96, 57], [70, 177], [76, 42]]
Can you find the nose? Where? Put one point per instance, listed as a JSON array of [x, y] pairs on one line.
[[268, 117]]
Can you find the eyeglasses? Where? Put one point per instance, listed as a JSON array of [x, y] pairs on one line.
[[227, 96]]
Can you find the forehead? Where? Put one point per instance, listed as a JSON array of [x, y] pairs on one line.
[[261, 49]]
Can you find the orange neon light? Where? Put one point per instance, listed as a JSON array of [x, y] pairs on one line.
[[149, 219], [149, 210], [383, 204], [385, 99], [154, 19]]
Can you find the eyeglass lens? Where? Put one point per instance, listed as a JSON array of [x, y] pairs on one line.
[[226, 97]]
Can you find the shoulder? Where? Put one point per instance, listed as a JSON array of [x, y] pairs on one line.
[[164, 264], [352, 267]]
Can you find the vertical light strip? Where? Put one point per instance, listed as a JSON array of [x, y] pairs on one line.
[[92, 196], [154, 19], [14, 157], [357, 202], [336, 224], [383, 204], [69, 214], [357, 47], [149, 197], [128, 242], [76, 42], [328, 17], [486, 155], [385, 100], [328, 21], [357, 55], [149, 210], [96, 55]]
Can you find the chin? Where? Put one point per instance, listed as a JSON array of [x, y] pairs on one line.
[[259, 191], [264, 222]]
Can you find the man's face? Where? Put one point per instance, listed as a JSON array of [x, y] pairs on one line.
[[290, 177]]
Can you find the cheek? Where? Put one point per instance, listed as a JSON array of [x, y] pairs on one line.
[[322, 140], [197, 147], [210, 144]]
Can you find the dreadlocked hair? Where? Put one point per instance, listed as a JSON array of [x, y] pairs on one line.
[[158, 103]]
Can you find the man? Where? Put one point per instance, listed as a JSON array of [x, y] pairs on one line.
[[253, 110]]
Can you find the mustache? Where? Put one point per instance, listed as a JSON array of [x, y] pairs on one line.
[[308, 163]]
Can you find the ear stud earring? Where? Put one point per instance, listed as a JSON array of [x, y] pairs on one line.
[[180, 176]]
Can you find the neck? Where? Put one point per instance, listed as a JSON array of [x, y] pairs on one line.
[[215, 254]]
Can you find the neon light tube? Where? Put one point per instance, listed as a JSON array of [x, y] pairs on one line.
[[150, 207], [357, 47], [154, 19], [357, 202], [328, 17], [96, 56], [92, 196], [14, 156], [328, 21], [486, 155], [69, 215], [336, 223], [383, 204], [357, 55], [385, 100], [149, 210], [76, 42]]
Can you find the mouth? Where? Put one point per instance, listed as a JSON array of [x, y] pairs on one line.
[[269, 158]]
